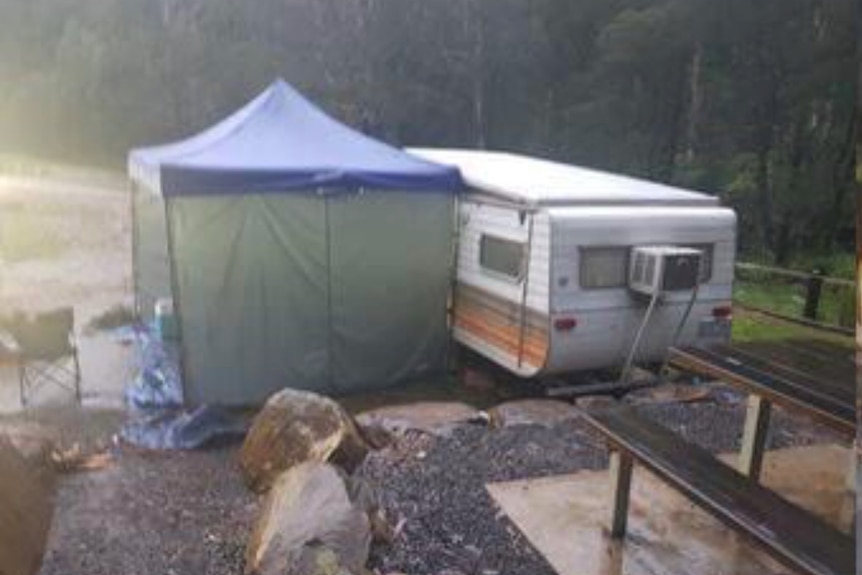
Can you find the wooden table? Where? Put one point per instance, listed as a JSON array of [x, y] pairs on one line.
[[809, 377]]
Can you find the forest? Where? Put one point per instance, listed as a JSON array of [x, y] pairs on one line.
[[752, 101]]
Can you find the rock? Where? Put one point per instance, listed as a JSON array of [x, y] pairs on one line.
[[476, 379], [294, 427], [670, 393], [309, 525], [364, 497], [543, 412], [26, 506], [320, 560], [40, 453], [589, 402], [385, 424]]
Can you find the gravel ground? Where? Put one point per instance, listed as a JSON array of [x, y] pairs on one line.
[[188, 513], [172, 513]]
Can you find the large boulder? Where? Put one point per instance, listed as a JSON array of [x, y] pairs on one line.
[[309, 525], [295, 427], [26, 506]]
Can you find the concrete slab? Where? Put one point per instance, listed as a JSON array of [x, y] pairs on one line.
[[565, 518]]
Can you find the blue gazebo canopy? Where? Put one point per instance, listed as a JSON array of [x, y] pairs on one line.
[[281, 142]]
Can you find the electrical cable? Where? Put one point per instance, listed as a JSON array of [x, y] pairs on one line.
[[663, 370], [624, 375]]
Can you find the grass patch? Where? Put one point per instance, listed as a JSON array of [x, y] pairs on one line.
[[751, 326], [837, 303]]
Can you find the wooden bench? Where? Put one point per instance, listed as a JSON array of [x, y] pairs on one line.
[[792, 535], [828, 397]]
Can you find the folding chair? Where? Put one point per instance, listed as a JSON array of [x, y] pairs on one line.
[[47, 353]]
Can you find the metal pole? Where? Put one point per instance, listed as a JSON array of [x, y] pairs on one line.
[[454, 261], [526, 291], [176, 300], [328, 231], [133, 214]]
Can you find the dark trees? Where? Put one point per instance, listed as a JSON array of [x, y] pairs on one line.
[[750, 100]]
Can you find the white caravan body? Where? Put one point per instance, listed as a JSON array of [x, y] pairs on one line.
[[542, 264]]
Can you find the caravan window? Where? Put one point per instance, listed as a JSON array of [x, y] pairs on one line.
[[705, 262], [501, 256], [607, 267], [604, 267]]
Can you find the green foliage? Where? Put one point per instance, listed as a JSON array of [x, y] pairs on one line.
[[753, 101], [753, 327], [767, 290]]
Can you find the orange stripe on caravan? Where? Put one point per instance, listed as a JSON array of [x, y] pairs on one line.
[[535, 346], [497, 322]]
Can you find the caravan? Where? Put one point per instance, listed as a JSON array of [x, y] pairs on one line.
[[543, 280]]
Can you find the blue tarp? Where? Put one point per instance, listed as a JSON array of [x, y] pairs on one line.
[[280, 142]]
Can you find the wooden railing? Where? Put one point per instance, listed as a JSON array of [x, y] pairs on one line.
[[804, 303]]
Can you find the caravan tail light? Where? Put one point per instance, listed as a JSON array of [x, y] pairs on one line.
[[722, 312], [565, 324]]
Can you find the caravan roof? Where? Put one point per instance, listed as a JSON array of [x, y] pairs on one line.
[[538, 182]]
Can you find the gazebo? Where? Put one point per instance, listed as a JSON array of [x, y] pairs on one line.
[[297, 253]]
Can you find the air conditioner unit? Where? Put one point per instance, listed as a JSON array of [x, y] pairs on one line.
[[656, 269]]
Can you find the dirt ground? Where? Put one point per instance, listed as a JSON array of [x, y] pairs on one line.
[[182, 513], [65, 241]]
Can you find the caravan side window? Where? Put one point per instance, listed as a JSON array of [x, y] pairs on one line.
[[604, 267], [503, 257], [706, 262]]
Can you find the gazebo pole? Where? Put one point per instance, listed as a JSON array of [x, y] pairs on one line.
[[175, 300], [328, 231]]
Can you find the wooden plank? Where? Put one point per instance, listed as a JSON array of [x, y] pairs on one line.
[[851, 473], [836, 410], [754, 437], [804, 276], [794, 536], [821, 391], [839, 387], [801, 357]]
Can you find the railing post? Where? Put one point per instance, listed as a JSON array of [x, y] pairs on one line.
[[813, 287]]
